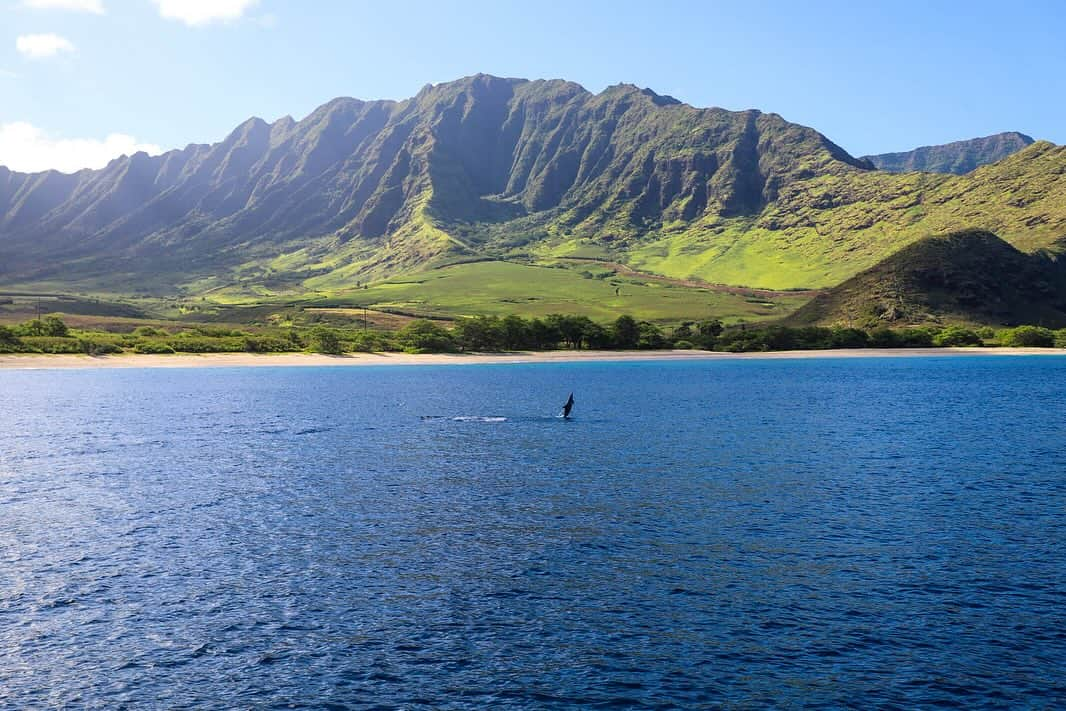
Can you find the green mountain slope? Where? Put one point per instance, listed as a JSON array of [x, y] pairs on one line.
[[488, 171], [959, 157], [381, 187], [824, 230], [971, 276]]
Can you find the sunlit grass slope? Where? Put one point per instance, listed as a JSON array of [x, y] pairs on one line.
[[822, 231], [500, 288]]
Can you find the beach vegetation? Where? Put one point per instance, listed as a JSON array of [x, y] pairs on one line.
[[320, 340], [425, 336], [626, 332], [495, 334], [957, 336], [152, 348], [1028, 337]]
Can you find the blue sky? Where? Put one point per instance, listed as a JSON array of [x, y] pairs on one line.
[[872, 76]]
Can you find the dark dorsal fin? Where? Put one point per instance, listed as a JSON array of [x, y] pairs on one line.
[[568, 406]]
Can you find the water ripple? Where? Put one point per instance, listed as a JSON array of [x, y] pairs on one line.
[[883, 533]]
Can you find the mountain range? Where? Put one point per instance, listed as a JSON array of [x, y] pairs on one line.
[[958, 157], [486, 168]]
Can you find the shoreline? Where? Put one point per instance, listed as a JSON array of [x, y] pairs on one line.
[[39, 361]]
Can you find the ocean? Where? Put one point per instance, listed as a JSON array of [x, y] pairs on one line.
[[882, 532]]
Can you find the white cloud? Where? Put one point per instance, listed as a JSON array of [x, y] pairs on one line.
[[7, 74], [96, 7], [196, 13], [41, 46], [26, 148]]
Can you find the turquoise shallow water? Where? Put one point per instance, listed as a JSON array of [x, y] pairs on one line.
[[877, 532]]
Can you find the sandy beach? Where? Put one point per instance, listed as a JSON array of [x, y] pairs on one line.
[[33, 361]]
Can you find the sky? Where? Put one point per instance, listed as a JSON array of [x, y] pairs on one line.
[[83, 81]]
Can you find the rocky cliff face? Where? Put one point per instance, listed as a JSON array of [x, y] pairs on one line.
[[477, 150]]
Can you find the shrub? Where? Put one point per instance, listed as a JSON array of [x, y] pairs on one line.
[[214, 332], [915, 338], [742, 340], [684, 345], [9, 342], [884, 338], [51, 326], [54, 326], [848, 338], [267, 344], [1060, 338], [193, 344], [957, 336], [52, 344], [152, 347], [371, 341], [1028, 336], [96, 348], [324, 340]]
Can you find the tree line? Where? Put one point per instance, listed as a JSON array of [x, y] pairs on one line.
[[509, 333]]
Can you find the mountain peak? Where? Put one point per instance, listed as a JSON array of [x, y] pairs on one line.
[[469, 155], [958, 157]]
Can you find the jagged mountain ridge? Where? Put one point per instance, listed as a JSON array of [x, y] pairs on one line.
[[958, 157], [385, 175]]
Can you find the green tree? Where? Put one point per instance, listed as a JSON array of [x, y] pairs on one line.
[[684, 332], [596, 336], [48, 326], [543, 335], [708, 332], [848, 338], [626, 332], [324, 340], [650, 336], [9, 341], [957, 336], [426, 336], [915, 337], [479, 333], [883, 338], [516, 333], [711, 328], [1029, 337], [570, 328]]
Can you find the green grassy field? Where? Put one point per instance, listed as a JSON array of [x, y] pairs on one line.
[[501, 288]]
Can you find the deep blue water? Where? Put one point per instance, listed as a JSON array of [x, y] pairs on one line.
[[882, 532]]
